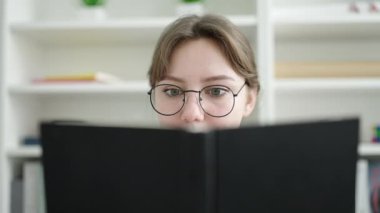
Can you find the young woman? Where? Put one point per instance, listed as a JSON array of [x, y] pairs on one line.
[[203, 74]]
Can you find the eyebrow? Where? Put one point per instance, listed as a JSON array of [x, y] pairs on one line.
[[217, 78], [169, 77], [208, 79]]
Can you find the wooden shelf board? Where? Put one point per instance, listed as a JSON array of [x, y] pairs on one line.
[[364, 150], [369, 150], [80, 88], [142, 29], [327, 27], [32, 151]]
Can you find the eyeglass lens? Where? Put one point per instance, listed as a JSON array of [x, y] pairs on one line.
[[216, 100]]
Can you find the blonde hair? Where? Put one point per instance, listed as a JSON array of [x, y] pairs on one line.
[[233, 43]]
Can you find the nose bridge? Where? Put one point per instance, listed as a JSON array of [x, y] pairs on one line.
[[188, 94], [193, 91], [191, 94], [192, 111]]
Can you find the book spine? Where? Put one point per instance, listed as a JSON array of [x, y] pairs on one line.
[[374, 185], [33, 198], [376, 134], [30, 140], [362, 190], [30, 187], [197, 173], [16, 196], [211, 173]]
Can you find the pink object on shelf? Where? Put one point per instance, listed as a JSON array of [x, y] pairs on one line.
[[373, 8], [354, 8]]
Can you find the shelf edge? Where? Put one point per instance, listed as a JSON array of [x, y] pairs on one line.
[[364, 150], [25, 152]]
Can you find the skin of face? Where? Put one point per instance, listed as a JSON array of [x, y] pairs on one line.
[[194, 65]]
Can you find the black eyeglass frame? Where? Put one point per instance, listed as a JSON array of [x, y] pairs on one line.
[[199, 98]]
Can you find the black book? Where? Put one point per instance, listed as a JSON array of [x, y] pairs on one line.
[[299, 167]]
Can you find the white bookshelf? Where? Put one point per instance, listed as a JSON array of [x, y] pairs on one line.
[[49, 39], [326, 31], [46, 37]]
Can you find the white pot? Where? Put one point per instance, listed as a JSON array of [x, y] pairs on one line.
[[96, 13], [196, 8]]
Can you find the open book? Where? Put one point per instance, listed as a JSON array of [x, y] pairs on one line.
[[298, 168]]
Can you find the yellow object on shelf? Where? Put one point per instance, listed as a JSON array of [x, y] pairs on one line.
[[79, 77]]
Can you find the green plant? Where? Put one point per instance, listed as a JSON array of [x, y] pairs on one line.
[[92, 3], [191, 1]]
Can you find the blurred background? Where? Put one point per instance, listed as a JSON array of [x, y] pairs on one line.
[[87, 60]]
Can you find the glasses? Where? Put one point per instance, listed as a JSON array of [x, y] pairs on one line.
[[215, 100]]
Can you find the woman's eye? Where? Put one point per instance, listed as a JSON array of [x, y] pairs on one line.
[[216, 91], [173, 92]]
